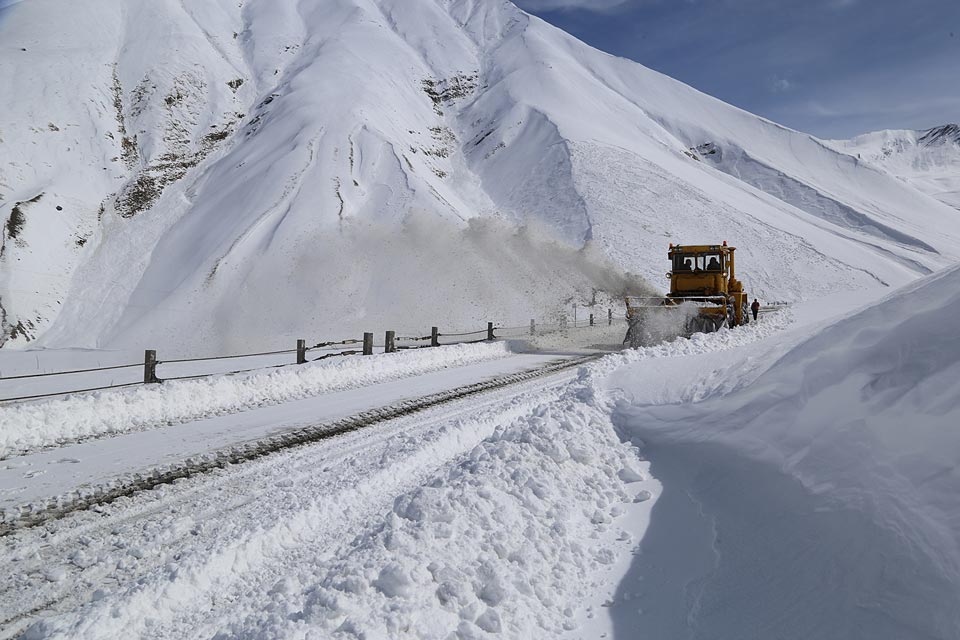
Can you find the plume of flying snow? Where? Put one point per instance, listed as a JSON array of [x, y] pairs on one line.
[[367, 277]]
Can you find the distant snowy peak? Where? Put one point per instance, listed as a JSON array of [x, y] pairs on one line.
[[927, 159], [181, 170], [947, 134], [890, 143]]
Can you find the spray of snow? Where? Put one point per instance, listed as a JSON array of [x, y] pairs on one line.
[[365, 276], [656, 323]]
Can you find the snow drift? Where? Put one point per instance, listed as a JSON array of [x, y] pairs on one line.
[[31, 425], [827, 486]]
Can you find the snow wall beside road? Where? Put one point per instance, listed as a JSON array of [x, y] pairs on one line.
[[830, 482]]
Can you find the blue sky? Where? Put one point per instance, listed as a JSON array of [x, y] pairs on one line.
[[834, 68]]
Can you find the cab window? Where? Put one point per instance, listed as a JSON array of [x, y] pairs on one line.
[[683, 262], [712, 262]]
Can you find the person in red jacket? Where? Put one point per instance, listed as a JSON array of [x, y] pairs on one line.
[[755, 307]]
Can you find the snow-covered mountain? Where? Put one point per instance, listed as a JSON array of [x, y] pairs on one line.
[[207, 174], [928, 160]]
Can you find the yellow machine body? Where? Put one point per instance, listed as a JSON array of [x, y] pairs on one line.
[[703, 271], [703, 275]]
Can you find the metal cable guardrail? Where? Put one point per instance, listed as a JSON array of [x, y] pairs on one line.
[[66, 373], [229, 357], [337, 355], [456, 335], [151, 362], [320, 345]]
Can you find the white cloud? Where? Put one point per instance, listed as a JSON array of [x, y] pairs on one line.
[[779, 84]]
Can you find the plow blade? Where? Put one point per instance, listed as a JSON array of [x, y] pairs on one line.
[[652, 321]]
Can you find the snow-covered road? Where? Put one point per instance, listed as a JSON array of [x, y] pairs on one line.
[[531, 511], [183, 554], [495, 512], [38, 477]]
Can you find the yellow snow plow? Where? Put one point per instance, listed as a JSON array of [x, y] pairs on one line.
[[704, 295]]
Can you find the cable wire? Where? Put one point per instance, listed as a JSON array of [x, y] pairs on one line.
[[66, 393], [64, 373], [239, 355]]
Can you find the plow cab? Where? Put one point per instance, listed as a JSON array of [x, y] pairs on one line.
[[704, 295]]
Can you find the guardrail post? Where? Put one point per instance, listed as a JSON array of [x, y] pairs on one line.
[[150, 367], [368, 344], [434, 337], [591, 319], [388, 342], [609, 316], [490, 335], [533, 327], [301, 352]]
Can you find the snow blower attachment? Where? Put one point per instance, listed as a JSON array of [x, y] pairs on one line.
[[704, 295]]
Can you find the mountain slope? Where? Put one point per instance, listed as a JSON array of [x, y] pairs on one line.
[[928, 160], [227, 172]]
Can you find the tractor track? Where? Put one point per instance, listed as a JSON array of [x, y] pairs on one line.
[[33, 516]]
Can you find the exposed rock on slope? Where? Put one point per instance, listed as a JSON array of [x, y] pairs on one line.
[[207, 154]]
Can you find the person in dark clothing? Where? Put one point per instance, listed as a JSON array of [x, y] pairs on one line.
[[755, 307]]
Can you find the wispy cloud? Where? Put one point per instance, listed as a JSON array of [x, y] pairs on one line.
[[779, 84]]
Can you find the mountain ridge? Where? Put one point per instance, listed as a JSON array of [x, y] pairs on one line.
[[218, 147], [927, 159]]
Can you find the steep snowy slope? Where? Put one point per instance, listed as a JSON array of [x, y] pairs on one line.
[[929, 160], [827, 488], [206, 175]]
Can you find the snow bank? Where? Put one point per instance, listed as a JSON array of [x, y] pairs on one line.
[[506, 538], [504, 541], [704, 343], [28, 426], [856, 428]]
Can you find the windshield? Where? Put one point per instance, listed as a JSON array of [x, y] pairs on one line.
[[698, 262]]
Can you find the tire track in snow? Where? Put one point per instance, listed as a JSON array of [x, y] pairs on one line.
[[242, 546], [246, 452]]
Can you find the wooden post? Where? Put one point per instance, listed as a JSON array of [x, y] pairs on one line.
[[368, 344], [490, 335], [434, 337], [150, 367], [609, 316], [388, 342], [591, 319], [301, 352], [533, 327]]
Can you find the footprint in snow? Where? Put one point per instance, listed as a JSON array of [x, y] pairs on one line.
[[34, 473]]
